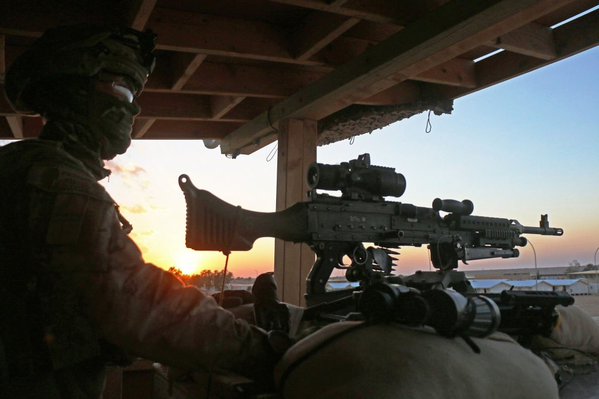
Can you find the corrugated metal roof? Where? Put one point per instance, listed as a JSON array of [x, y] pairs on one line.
[[564, 282], [486, 284]]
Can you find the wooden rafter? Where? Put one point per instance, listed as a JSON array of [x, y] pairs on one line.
[[442, 35], [572, 38], [381, 11], [2, 58], [455, 72], [141, 13], [175, 106], [182, 73], [316, 31], [240, 80], [204, 34], [5, 108], [15, 123], [185, 129], [221, 65], [185, 70], [533, 39], [220, 106]]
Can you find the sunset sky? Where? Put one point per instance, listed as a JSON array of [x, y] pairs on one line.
[[518, 149]]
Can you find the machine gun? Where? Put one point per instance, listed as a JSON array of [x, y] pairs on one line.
[[336, 227]]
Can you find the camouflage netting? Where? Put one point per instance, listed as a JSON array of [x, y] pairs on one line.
[[359, 119]]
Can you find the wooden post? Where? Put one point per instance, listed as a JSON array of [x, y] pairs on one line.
[[296, 151]]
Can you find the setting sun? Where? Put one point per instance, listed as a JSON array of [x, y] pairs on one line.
[[188, 261]]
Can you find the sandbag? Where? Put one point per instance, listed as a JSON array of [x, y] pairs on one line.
[[355, 360], [576, 329]]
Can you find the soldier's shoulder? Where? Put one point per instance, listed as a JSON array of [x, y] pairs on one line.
[[50, 168], [33, 151]]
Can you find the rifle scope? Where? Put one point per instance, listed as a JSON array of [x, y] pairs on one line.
[[357, 178]]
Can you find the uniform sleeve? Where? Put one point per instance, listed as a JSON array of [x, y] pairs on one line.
[[137, 306], [149, 312]]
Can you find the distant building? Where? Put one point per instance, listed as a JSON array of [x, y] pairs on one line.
[[577, 286], [571, 286], [339, 285], [489, 286], [518, 274], [244, 284], [530, 285], [591, 275]]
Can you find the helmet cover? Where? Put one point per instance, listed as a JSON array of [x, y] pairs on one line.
[[80, 50]]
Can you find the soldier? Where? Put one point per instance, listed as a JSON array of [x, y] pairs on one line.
[[75, 292]]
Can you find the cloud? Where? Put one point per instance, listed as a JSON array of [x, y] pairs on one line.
[[137, 208], [125, 170]]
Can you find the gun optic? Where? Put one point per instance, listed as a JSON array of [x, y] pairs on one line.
[[357, 179]]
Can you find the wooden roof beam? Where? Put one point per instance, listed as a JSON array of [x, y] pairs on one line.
[[381, 11], [316, 31], [204, 34], [534, 40], [402, 93], [220, 106], [239, 80], [456, 72], [442, 35], [570, 39], [5, 108], [182, 71], [15, 123], [2, 58], [141, 127], [183, 129], [140, 13], [174, 106]]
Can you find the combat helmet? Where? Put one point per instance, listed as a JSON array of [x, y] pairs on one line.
[[80, 50]]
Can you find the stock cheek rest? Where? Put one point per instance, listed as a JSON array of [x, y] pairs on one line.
[[353, 360]]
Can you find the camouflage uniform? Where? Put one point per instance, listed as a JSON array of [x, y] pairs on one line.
[[74, 287]]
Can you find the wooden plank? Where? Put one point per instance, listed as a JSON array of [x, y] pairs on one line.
[[5, 107], [2, 58], [141, 12], [570, 39], [141, 127], [31, 18], [174, 106], [456, 72], [318, 30], [220, 106], [16, 126], [186, 68], [578, 35], [343, 50], [239, 80], [249, 108], [212, 35], [188, 130], [32, 126], [296, 151], [380, 11], [402, 93], [5, 132], [444, 34], [533, 39], [186, 71]]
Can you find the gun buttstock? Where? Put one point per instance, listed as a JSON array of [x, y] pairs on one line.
[[216, 225], [212, 224]]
